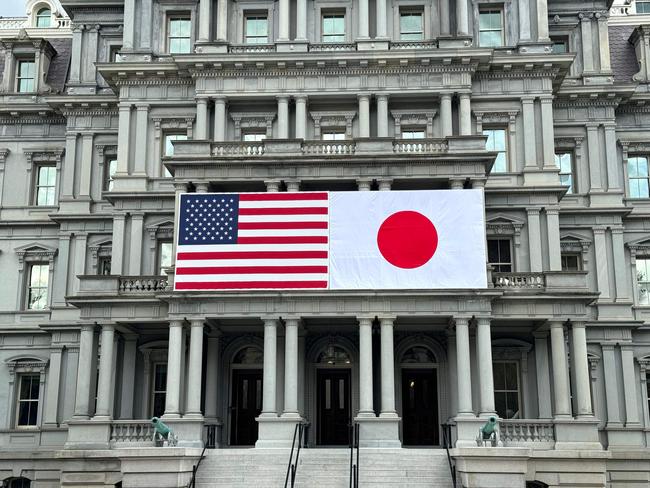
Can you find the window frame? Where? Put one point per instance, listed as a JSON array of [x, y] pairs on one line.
[[645, 258], [410, 10], [257, 15], [38, 186], [492, 8], [506, 391], [39, 15], [324, 13], [159, 254], [20, 401], [19, 62], [505, 151], [413, 130], [560, 39], [29, 288], [326, 134], [110, 169], [179, 15], [629, 178], [642, 2], [17, 367], [501, 263], [154, 392], [577, 256], [571, 188]]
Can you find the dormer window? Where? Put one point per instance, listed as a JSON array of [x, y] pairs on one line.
[[44, 17], [25, 76]]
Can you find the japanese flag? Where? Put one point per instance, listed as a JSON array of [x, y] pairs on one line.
[[407, 240]]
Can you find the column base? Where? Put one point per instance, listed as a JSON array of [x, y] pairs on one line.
[[378, 431], [276, 432], [467, 430]]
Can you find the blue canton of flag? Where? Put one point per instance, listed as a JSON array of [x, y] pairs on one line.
[[208, 219]]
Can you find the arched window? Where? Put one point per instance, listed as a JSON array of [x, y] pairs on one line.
[[418, 354], [16, 483], [333, 355], [44, 17], [249, 355]]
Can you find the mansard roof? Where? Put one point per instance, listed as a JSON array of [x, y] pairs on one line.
[[623, 57]]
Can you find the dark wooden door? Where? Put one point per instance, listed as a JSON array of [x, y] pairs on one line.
[[420, 407], [246, 406], [334, 407]]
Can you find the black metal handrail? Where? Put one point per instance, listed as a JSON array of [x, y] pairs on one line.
[[354, 446], [448, 443], [195, 468], [292, 467]]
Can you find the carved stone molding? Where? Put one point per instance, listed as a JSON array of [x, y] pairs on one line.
[[253, 120], [333, 119], [43, 156], [171, 123], [413, 118]]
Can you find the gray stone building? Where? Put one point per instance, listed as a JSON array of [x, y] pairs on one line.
[[111, 109]]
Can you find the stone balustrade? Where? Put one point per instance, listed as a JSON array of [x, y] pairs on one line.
[[251, 48], [141, 284], [539, 434], [13, 22], [419, 146], [131, 433], [519, 281], [413, 45], [329, 147], [224, 149], [332, 46]]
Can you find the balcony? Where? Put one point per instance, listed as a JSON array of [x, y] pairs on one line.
[[547, 282], [537, 434]]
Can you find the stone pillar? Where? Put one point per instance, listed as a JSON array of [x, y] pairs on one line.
[[146, 9], [85, 177], [620, 267], [80, 246], [135, 238], [560, 373], [524, 21], [453, 383], [462, 18], [387, 369], [174, 370], [463, 368], [222, 20], [593, 150], [301, 20], [106, 366], [195, 373], [366, 407], [465, 113], [142, 121], [90, 74], [70, 165], [382, 115], [602, 271], [364, 114], [128, 39], [283, 117], [283, 21], [385, 184], [123, 138], [553, 234], [363, 184], [534, 240], [446, 124], [201, 115], [212, 377], [117, 249], [611, 386], [205, 17], [380, 10], [613, 180], [220, 117], [456, 183], [84, 371], [128, 377], [602, 19], [201, 186], [272, 186], [301, 116], [530, 148], [543, 376], [76, 58], [51, 411], [629, 386], [291, 369], [270, 366], [484, 353], [363, 20], [179, 188], [542, 21], [548, 132], [587, 49], [581, 369]]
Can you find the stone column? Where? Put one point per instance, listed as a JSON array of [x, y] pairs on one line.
[[195, 373], [291, 369], [283, 21], [123, 138], [602, 271], [270, 366], [86, 165], [84, 371], [444, 18], [142, 121], [543, 376], [553, 234], [387, 369], [484, 353], [384, 184], [366, 407], [382, 115], [128, 39], [363, 184], [69, 166], [128, 377], [283, 117], [222, 20], [446, 125], [463, 368], [453, 376], [465, 113], [581, 369], [613, 180], [364, 114], [205, 17], [593, 150], [51, 411], [462, 18], [80, 245], [90, 74], [560, 373], [220, 118], [117, 249], [534, 240], [548, 132], [603, 42], [524, 21], [106, 366], [542, 21], [201, 116], [135, 238], [611, 386], [301, 117], [380, 11], [179, 188], [301, 20], [212, 377], [363, 20], [587, 49], [530, 148], [76, 58], [629, 386], [174, 370], [620, 267]]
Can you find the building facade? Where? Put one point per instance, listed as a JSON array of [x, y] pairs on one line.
[[111, 109]]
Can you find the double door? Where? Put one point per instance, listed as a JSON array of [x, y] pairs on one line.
[[334, 406], [420, 407], [246, 406]]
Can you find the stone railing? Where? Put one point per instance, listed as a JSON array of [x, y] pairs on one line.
[[519, 281], [64, 23], [13, 22], [238, 149], [132, 433], [252, 48], [329, 147], [332, 46], [419, 146], [142, 284], [413, 45], [530, 433]]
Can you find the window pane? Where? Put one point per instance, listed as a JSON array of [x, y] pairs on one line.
[[44, 18], [413, 134], [253, 137], [169, 147], [643, 7], [643, 280], [499, 376], [164, 255]]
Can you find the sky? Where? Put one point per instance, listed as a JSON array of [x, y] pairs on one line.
[[12, 8]]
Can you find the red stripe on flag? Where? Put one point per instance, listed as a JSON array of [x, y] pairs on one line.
[[257, 197], [281, 225], [284, 211], [250, 270], [240, 285], [283, 240], [253, 255]]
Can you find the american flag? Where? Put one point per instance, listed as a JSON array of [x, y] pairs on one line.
[[235, 241]]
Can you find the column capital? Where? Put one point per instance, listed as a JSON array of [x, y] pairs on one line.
[[483, 320], [87, 328], [527, 99], [363, 321], [177, 323], [301, 98], [270, 321], [556, 325], [142, 106], [292, 321], [382, 96], [387, 319], [533, 211], [446, 95], [626, 346], [364, 96], [201, 187], [607, 346], [109, 326], [221, 99], [197, 322], [540, 334], [579, 325], [282, 98], [599, 229], [363, 184], [124, 106]]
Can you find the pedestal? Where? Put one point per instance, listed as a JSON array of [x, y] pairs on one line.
[[579, 434], [88, 434], [379, 431], [276, 432]]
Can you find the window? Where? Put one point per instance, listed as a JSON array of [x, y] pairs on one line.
[[104, 265], [39, 275], [642, 7], [256, 29], [638, 176], [497, 142], [499, 255], [413, 134], [164, 256], [46, 186], [26, 76], [643, 280], [253, 136], [159, 393], [411, 27], [179, 30], [506, 389], [110, 168], [169, 148], [560, 45], [16, 483], [564, 161], [27, 408], [334, 27], [490, 29], [44, 18], [333, 136], [113, 53], [571, 261]]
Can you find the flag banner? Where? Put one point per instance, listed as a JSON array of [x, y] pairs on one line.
[[331, 240]]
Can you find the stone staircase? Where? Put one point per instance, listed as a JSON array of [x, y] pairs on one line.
[[325, 468]]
